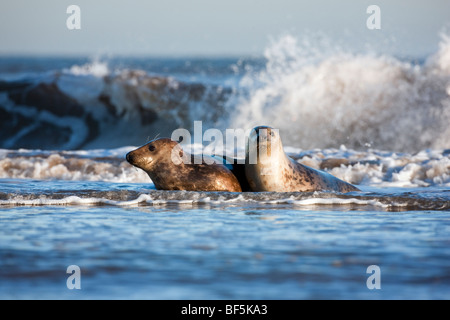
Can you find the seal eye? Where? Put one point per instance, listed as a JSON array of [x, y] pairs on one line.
[[151, 148]]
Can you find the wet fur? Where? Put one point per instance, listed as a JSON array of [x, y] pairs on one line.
[[227, 175], [280, 173], [168, 175]]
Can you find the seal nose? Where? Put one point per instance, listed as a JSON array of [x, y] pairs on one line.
[[129, 157]]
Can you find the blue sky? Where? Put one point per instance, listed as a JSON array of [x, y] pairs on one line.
[[217, 28]]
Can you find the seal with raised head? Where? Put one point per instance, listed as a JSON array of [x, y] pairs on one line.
[[170, 168], [268, 168]]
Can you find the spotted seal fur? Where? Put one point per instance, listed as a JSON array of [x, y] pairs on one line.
[[268, 168]]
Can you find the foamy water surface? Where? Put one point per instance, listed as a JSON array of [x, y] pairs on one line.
[[68, 197], [91, 209]]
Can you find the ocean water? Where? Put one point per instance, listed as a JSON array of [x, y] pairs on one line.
[[68, 197]]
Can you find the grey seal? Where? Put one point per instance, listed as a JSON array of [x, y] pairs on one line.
[[166, 164], [268, 168]]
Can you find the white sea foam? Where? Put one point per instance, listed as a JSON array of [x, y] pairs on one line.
[[73, 200], [96, 68], [70, 166], [339, 201], [319, 96], [366, 168], [381, 168], [148, 199]]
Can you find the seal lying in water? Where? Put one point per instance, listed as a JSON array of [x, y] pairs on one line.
[[268, 168], [165, 162]]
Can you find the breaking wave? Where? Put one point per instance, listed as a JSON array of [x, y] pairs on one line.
[[321, 97], [89, 106], [318, 96]]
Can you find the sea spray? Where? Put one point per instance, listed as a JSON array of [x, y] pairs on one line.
[[325, 98], [317, 93]]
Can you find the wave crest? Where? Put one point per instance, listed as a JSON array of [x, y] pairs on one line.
[[317, 94], [320, 97]]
